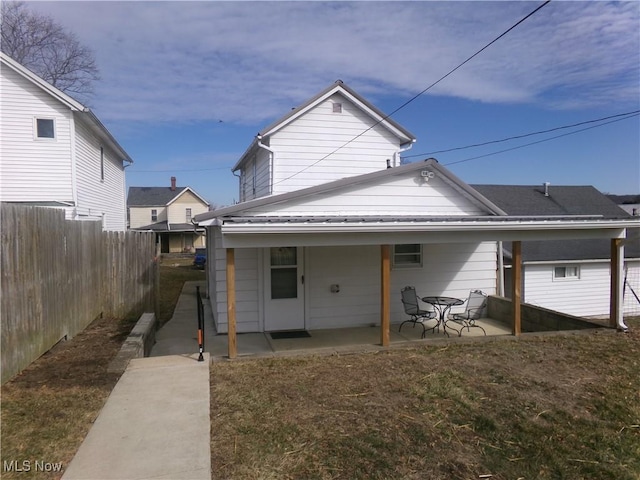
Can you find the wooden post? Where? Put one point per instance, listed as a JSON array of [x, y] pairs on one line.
[[385, 294], [516, 282], [614, 298], [231, 303]]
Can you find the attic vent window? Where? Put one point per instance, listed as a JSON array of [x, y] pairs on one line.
[[337, 107]]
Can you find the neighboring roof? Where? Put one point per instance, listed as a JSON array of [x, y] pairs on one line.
[[162, 227], [79, 109], [625, 199], [235, 210], [157, 196], [338, 87], [562, 200]]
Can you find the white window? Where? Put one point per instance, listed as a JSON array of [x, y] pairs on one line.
[[101, 163], [188, 215], [407, 255], [154, 215], [45, 128], [566, 272]]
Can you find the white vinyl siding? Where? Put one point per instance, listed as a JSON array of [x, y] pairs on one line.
[[302, 145], [587, 296], [256, 177], [356, 269], [399, 196], [98, 197], [248, 263], [33, 169]]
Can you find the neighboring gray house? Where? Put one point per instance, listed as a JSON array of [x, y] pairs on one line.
[[168, 211], [570, 276], [54, 152]]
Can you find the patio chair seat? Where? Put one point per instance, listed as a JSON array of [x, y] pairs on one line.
[[475, 306], [412, 308]]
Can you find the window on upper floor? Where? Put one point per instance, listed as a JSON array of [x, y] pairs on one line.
[[188, 215], [45, 129], [101, 163], [407, 255], [566, 272], [337, 107], [154, 215]]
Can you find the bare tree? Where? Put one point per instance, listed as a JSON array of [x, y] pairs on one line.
[[43, 46]]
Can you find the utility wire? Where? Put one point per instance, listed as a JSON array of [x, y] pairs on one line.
[[539, 141], [422, 92], [515, 137]]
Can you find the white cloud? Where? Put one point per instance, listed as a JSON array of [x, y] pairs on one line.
[[250, 61]]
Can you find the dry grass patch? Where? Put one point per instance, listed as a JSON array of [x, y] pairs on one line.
[[565, 406], [49, 408]]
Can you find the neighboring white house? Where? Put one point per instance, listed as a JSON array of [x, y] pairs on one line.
[[321, 239], [169, 212], [569, 276], [55, 152]]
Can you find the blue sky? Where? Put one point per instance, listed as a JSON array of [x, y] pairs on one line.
[[185, 86]]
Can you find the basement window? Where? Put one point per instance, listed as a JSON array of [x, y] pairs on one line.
[[566, 273], [45, 128], [407, 255]]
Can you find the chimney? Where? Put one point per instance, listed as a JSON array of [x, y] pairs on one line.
[[173, 184], [546, 188]]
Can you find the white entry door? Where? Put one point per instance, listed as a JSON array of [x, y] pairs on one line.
[[284, 289]]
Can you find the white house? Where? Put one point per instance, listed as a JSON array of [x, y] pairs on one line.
[[55, 152], [168, 211], [323, 247], [569, 276]]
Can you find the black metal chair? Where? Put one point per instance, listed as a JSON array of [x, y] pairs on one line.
[[475, 306], [412, 308]]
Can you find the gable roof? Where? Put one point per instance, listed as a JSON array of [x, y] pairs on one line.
[[79, 110], [338, 87], [157, 196], [562, 200], [368, 178]]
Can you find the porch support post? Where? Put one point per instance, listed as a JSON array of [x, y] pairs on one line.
[[385, 294], [516, 282], [231, 303], [616, 298]]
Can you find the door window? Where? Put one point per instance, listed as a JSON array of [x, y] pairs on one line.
[[284, 272]]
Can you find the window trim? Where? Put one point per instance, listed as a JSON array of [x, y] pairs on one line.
[[35, 129], [403, 265], [189, 214], [565, 277], [154, 213]]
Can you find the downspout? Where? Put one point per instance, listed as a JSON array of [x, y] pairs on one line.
[[74, 173], [272, 155], [396, 156]]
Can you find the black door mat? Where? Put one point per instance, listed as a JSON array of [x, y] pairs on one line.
[[290, 334]]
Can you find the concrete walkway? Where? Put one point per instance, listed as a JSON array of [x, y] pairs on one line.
[[156, 422]]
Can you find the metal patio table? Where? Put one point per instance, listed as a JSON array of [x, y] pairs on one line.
[[443, 305]]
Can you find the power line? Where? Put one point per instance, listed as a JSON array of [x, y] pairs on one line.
[[540, 141], [422, 92], [178, 171], [515, 137]]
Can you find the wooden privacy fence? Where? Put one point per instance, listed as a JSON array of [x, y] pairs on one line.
[[57, 276]]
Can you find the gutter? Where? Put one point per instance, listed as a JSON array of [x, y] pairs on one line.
[[401, 150]]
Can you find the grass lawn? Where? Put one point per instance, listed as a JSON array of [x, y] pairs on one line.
[[47, 410], [545, 407]]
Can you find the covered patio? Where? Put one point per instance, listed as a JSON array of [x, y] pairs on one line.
[[237, 233]]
